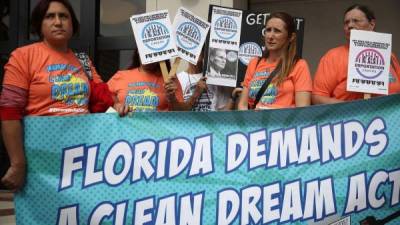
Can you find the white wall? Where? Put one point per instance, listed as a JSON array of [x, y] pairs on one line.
[[199, 7]]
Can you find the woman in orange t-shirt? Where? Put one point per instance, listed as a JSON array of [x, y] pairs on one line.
[[330, 80], [142, 88], [46, 79], [291, 84]]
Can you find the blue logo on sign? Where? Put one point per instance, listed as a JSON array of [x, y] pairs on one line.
[[188, 35], [249, 50], [225, 27], [155, 36]]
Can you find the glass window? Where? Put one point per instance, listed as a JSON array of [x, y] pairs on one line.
[[109, 62], [115, 14], [4, 19], [76, 5]]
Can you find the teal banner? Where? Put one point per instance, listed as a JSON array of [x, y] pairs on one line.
[[331, 164]]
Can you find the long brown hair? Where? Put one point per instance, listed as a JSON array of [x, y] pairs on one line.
[[289, 58]]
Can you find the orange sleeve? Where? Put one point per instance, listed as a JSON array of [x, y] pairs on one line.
[[396, 65], [251, 68], [113, 82], [324, 80], [302, 78], [16, 71]]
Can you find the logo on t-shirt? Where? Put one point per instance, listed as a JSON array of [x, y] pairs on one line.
[[69, 89], [269, 96], [142, 100]]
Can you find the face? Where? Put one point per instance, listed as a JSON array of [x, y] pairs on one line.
[[356, 19], [57, 24], [219, 60], [276, 35]]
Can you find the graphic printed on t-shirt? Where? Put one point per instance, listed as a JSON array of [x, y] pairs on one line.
[[66, 87], [141, 98], [203, 103], [269, 96]]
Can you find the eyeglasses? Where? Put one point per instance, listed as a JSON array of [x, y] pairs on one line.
[[355, 21]]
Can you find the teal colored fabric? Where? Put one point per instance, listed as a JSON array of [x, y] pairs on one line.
[[49, 139]]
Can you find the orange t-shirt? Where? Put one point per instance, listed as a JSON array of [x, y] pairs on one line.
[[141, 91], [282, 96], [56, 82], [330, 80]]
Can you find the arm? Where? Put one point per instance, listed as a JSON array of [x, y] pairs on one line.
[[234, 99], [243, 101], [201, 86], [325, 80], [171, 89], [302, 98], [319, 99], [12, 135]]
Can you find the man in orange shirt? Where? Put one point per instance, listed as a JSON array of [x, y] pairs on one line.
[[330, 80]]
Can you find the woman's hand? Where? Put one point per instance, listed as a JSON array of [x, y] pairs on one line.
[[14, 179], [121, 108], [170, 89], [201, 86]]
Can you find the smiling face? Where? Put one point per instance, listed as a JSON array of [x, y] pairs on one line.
[[57, 26], [356, 19], [276, 35]]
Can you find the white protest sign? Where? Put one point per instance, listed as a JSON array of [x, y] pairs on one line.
[[224, 45], [369, 62], [153, 35], [191, 32]]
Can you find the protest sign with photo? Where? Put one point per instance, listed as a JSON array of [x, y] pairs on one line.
[[154, 36], [369, 62], [191, 32], [223, 46], [251, 41]]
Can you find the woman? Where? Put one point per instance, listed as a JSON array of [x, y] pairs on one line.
[[330, 80], [46, 79], [198, 95], [143, 89], [291, 84]]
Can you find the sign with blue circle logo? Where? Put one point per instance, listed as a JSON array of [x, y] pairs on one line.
[[225, 28], [191, 32], [154, 36], [188, 36], [249, 50]]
